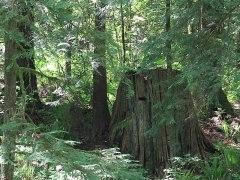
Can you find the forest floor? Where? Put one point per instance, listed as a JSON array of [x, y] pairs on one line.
[[213, 129], [215, 133]]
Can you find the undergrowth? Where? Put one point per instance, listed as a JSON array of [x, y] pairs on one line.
[[222, 166], [41, 155]]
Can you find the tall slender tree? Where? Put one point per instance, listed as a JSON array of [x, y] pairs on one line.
[[68, 53], [168, 41], [101, 115], [123, 34], [11, 52]]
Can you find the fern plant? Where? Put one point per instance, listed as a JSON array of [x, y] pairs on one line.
[[214, 169], [40, 155], [180, 170], [231, 158]]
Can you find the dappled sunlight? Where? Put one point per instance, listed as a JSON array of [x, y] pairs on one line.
[[119, 90]]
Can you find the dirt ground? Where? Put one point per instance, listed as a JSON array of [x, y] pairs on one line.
[[213, 129]]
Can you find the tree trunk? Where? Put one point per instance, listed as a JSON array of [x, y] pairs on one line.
[[68, 63], [68, 54], [141, 126], [212, 22], [101, 115], [8, 144], [123, 35], [168, 41], [26, 61]]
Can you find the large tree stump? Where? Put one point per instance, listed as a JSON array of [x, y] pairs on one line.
[[141, 127]]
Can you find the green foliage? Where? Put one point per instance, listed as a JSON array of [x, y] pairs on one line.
[[42, 155], [208, 60], [179, 165], [231, 157], [119, 128], [214, 169], [225, 128], [230, 127], [177, 174], [218, 166], [130, 91], [59, 122], [234, 129]]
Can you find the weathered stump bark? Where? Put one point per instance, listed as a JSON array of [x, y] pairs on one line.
[[133, 117]]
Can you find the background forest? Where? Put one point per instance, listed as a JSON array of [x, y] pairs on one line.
[[72, 74]]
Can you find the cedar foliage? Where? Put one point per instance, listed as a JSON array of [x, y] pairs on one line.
[[206, 58]]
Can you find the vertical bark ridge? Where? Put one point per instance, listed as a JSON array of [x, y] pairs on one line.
[[145, 135]]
